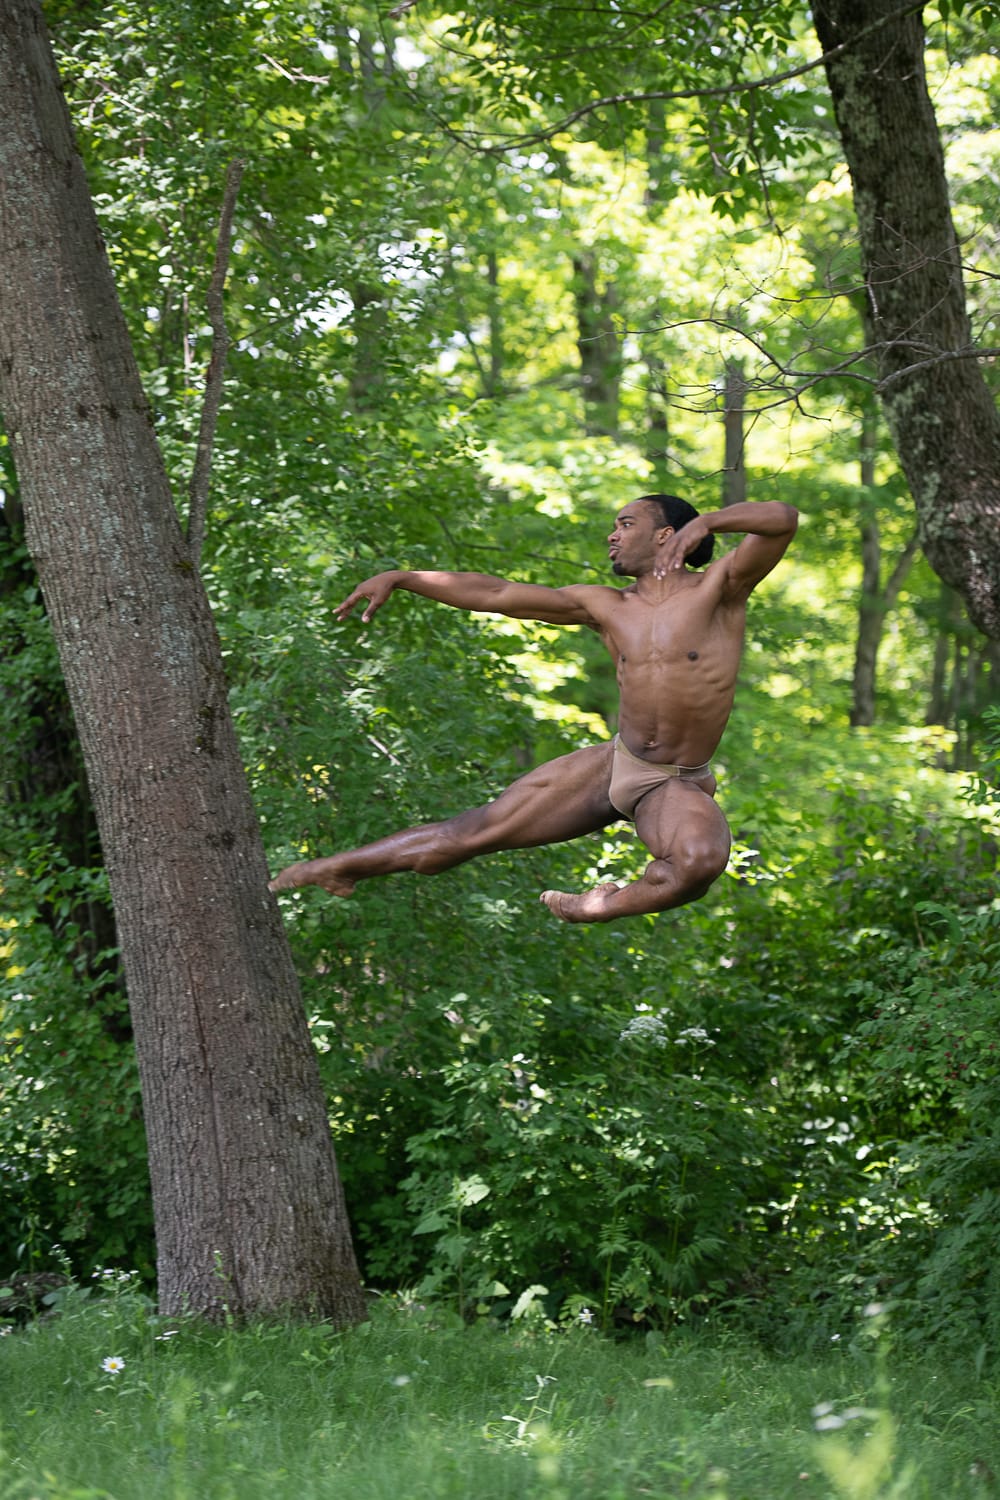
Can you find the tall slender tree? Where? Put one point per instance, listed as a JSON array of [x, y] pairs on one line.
[[878, 596], [248, 1207], [598, 345], [734, 395]]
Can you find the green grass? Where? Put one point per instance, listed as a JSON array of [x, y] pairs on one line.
[[409, 1407]]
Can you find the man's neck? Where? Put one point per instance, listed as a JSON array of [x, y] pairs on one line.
[[648, 586]]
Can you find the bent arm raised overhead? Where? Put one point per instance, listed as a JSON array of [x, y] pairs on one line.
[[769, 526], [477, 591]]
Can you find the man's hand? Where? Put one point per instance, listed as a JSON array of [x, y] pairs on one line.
[[680, 546], [376, 590]]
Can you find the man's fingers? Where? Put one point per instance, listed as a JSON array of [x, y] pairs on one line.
[[374, 595], [343, 610], [372, 605]]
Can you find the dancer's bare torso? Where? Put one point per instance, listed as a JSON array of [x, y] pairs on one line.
[[676, 652], [675, 635]]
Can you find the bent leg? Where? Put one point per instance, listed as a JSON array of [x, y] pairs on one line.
[[560, 800], [688, 837]]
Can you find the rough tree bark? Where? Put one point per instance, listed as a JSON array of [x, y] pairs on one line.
[[940, 411], [248, 1205]]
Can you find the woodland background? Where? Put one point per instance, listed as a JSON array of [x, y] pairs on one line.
[[451, 349]]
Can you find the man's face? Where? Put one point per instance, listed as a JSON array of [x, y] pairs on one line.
[[631, 544]]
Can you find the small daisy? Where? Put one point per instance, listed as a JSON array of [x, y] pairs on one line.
[[585, 1315], [112, 1364]]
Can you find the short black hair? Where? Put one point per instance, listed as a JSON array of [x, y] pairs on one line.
[[676, 513]]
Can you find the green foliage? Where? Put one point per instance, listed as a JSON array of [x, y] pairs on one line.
[[625, 1138], [594, 1112], [930, 1042], [72, 1144], [718, 1108], [72, 1147]]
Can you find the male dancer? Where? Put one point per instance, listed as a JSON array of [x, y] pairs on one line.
[[676, 637]]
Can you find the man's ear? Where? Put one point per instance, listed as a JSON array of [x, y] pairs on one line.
[[664, 533]]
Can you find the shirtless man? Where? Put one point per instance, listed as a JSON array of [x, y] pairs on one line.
[[676, 638]]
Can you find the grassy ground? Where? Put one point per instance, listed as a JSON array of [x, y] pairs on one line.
[[406, 1407]]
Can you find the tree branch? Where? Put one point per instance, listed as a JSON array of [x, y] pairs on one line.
[[748, 86], [198, 486], [798, 380], [937, 357]]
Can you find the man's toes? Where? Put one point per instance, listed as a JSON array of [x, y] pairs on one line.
[[553, 900]]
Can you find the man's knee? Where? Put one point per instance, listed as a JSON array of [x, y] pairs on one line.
[[693, 866], [704, 860]]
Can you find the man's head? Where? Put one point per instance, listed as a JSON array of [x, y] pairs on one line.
[[633, 541]]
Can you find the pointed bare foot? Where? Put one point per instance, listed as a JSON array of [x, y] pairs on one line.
[[322, 872], [588, 906]]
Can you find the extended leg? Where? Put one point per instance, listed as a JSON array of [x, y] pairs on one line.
[[560, 800], [685, 831]]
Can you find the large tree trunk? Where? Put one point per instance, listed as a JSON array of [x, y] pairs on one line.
[[943, 419], [247, 1202]]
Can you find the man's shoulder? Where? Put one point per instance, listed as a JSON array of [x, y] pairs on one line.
[[716, 579], [598, 598], [708, 592]]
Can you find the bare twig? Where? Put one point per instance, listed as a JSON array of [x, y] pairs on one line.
[[298, 76], [401, 9], [198, 487], [938, 357]]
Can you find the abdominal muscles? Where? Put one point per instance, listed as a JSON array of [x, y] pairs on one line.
[[674, 713]]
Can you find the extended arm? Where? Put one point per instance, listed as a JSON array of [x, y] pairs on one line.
[[768, 528], [476, 591]]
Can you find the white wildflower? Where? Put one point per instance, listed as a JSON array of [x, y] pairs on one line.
[[645, 1028], [694, 1034]]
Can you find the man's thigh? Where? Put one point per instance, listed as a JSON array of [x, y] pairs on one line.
[[561, 799], [678, 819]]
